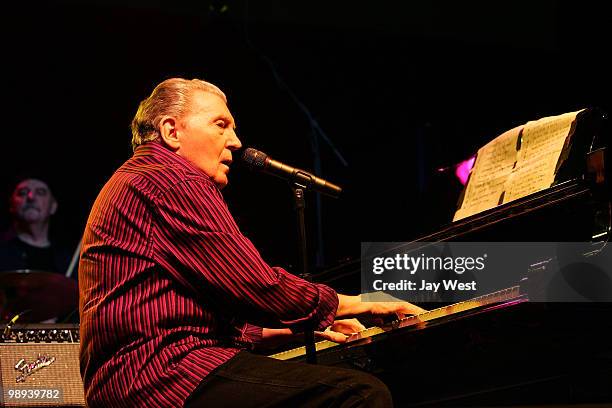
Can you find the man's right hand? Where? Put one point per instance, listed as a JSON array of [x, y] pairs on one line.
[[340, 330], [352, 306]]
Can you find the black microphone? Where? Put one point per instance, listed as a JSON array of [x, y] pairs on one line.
[[260, 161]]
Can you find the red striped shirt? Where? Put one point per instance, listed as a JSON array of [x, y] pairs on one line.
[[168, 281]]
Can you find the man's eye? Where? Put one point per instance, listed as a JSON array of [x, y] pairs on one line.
[[221, 124]]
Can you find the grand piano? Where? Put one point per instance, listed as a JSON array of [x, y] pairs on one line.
[[502, 348]]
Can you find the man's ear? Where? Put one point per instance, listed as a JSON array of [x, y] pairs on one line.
[[53, 207], [11, 206], [169, 132]]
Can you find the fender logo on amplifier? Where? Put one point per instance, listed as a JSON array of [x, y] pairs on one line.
[[42, 361], [39, 366]]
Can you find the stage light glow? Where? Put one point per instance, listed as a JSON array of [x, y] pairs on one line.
[[462, 170]]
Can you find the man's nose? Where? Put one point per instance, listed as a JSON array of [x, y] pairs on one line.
[[233, 143], [30, 196]]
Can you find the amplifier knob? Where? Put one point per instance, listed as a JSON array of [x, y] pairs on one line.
[[30, 335], [64, 335], [41, 335], [53, 335]]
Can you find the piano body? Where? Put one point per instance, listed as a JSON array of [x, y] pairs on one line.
[[502, 349]]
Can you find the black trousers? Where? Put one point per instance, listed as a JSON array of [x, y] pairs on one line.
[[250, 380]]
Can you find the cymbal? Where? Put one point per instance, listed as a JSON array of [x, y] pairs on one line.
[[43, 294]]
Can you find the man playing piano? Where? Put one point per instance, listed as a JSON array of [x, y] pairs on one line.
[[172, 293]]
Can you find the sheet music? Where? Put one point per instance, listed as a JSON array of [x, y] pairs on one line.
[[537, 160], [494, 163], [519, 162]]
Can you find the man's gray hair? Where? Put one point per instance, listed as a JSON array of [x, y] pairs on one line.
[[169, 98]]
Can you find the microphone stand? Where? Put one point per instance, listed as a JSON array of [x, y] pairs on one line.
[[300, 205]]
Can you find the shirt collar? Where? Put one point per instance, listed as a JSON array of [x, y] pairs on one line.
[[166, 156]]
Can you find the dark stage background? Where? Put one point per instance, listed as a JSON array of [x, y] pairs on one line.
[[400, 88]]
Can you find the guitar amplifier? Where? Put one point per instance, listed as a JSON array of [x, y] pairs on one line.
[[39, 366]]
